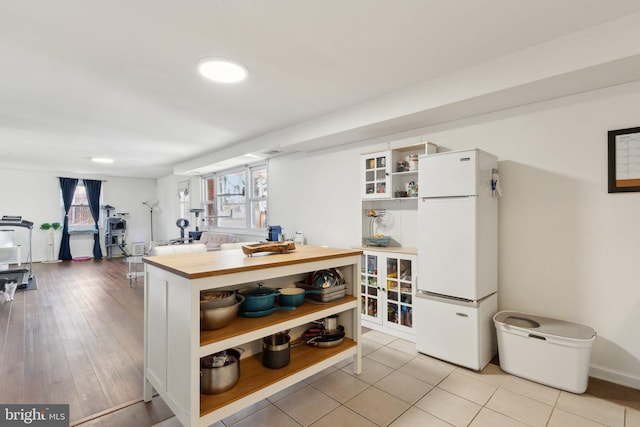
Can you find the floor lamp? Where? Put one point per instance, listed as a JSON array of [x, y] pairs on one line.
[[151, 205]]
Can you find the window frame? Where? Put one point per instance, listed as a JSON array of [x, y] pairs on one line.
[[212, 222], [80, 227]]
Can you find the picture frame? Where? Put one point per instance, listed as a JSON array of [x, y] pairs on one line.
[[624, 160]]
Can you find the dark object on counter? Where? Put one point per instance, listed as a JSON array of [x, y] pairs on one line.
[[294, 297], [219, 317], [276, 350], [275, 231], [401, 194], [220, 372]]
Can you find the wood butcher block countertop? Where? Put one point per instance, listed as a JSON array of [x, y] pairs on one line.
[[206, 264]]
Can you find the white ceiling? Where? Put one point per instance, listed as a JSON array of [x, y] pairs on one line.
[[117, 78]]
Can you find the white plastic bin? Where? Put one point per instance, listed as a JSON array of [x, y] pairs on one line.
[[545, 350]]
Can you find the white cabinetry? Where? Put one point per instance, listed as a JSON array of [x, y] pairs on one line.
[[376, 175], [174, 343], [389, 192], [387, 289], [388, 174]]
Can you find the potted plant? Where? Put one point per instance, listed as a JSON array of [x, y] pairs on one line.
[[51, 228]]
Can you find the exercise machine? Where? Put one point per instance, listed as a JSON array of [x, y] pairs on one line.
[[115, 232], [22, 275]]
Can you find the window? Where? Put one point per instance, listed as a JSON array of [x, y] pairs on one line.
[[79, 214], [236, 198]]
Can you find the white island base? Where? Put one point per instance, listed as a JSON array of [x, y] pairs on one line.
[[174, 343]]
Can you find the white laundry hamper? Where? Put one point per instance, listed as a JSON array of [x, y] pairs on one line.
[[545, 350]]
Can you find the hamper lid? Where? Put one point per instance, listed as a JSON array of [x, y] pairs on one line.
[[545, 325]]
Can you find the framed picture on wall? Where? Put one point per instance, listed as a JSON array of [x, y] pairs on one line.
[[624, 160]]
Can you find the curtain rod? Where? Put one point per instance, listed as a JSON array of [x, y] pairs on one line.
[[103, 180]]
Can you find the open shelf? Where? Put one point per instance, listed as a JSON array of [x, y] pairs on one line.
[[243, 326], [254, 376]]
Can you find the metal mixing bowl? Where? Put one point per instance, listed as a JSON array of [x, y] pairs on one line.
[[216, 318], [215, 299]]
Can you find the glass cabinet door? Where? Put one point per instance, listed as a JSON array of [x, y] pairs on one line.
[[399, 292], [376, 175], [393, 291], [369, 288], [406, 292], [387, 288]]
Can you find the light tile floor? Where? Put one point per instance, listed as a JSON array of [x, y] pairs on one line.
[[400, 388]]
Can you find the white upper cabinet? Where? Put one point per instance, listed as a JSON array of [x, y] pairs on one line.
[[376, 175], [393, 173]]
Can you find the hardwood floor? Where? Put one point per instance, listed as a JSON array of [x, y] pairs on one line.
[[78, 339]]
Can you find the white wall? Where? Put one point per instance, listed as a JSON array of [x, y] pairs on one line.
[[318, 195], [36, 197], [167, 211], [568, 249]]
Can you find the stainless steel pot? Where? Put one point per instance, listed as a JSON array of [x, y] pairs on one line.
[[220, 372], [276, 350], [329, 323]]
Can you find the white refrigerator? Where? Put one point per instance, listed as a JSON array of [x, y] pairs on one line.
[[457, 257]]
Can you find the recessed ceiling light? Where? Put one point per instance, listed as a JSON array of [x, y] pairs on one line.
[[222, 70], [101, 160]]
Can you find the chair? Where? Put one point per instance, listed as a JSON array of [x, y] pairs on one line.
[[179, 249], [214, 240], [235, 245]]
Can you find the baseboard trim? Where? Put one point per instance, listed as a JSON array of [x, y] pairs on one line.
[[391, 332], [614, 376]]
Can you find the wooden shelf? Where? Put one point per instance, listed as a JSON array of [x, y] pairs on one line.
[[410, 172], [245, 325], [254, 376]]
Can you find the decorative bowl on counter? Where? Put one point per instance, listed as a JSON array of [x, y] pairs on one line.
[[378, 241]]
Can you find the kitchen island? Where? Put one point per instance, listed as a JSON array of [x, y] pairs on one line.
[[174, 344]]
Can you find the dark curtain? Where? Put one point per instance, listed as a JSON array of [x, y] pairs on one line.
[[93, 188], [68, 188]]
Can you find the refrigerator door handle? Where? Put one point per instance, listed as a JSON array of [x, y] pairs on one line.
[[424, 198], [462, 314]]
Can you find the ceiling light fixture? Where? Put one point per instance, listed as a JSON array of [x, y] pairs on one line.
[[101, 160], [222, 70]]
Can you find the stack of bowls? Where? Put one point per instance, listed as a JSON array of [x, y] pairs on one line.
[[218, 308]]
